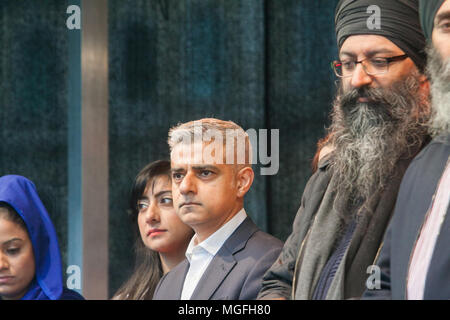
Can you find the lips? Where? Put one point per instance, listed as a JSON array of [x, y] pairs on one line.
[[5, 279], [363, 99], [155, 232], [189, 204]]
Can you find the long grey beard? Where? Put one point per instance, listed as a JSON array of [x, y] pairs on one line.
[[439, 73], [369, 139]]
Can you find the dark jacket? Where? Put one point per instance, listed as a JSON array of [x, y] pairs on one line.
[[234, 273], [416, 193], [277, 282]]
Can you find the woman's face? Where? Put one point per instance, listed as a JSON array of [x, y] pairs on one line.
[[17, 267], [160, 227]]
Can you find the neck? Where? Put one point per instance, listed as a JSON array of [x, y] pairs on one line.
[[203, 232]]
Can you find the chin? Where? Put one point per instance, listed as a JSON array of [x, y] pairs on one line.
[[190, 218], [187, 213]]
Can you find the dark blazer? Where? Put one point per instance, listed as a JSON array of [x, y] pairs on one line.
[[416, 193], [234, 273]]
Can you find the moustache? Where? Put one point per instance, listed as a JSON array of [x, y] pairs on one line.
[[187, 201], [376, 99]]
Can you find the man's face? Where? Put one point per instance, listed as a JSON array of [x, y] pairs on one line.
[[205, 193], [438, 67], [375, 118], [359, 47], [441, 31]]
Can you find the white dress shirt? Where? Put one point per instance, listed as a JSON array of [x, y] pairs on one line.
[[201, 255]]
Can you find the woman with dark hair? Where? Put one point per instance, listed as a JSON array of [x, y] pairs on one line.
[[162, 238], [30, 261]]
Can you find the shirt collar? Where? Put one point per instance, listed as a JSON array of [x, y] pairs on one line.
[[214, 242]]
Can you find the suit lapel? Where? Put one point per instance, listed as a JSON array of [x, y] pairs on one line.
[[224, 261], [214, 275], [176, 283]]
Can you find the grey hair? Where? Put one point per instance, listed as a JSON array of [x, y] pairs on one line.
[[208, 130]]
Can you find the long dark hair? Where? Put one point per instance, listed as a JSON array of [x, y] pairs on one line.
[[148, 269]]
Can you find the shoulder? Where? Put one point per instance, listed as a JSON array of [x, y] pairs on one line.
[[248, 235], [318, 182], [179, 268], [71, 295], [438, 149], [419, 184], [175, 275], [261, 244], [264, 240], [426, 168]]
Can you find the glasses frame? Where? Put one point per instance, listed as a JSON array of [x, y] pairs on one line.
[[388, 61]]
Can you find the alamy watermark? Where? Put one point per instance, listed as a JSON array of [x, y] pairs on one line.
[[374, 21], [232, 146], [74, 277], [73, 22], [373, 282]]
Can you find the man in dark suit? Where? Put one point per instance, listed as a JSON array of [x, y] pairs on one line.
[[415, 259], [228, 255]]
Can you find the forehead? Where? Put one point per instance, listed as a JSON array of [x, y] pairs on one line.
[[9, 229], [208, 153], [444, 9], [158, 184], [367, 45]]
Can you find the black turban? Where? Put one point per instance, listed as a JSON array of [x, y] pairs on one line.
[[428, 10], [399, 23]]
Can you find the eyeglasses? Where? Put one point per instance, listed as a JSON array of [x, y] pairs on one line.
[[372, 66]]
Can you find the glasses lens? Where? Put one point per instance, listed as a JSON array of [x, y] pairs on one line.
[[376, 66]]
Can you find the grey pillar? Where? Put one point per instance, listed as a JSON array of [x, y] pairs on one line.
[[94, 154]]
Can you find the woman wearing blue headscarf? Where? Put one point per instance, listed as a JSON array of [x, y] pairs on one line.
[[30, 261]]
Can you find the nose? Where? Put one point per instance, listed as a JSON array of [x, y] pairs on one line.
[[4, 264], [152, 213], [187, 185], [360, 78]]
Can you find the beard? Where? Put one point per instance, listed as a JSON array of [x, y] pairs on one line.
[[370, 137], [439, 72]]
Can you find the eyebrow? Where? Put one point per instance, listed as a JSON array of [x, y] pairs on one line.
[[176, 170], [195, 167], [369, 54], [205, 167], [442, 16], [162, 192], [12, 240]]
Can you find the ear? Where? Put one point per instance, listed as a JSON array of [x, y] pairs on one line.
[[244, 179]]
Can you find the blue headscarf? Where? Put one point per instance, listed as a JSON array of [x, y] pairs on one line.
[[20, 193]]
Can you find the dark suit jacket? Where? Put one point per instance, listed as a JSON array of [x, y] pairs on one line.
[[416, 192], [234, 273]]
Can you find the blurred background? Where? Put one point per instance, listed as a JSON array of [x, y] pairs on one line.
[[264, 64]]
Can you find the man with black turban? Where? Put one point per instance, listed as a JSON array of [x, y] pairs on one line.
[[377, 128], [415, 259]]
